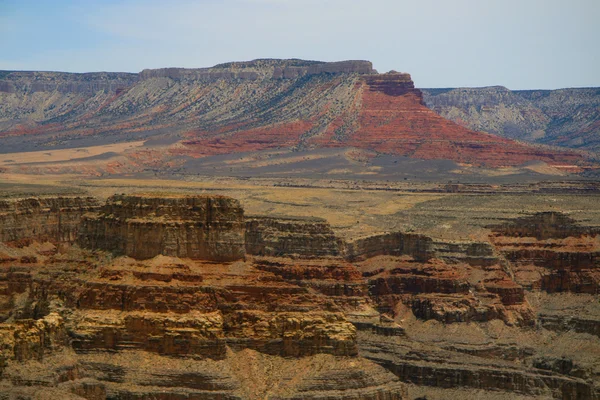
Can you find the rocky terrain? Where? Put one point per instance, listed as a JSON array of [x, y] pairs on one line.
[[563, 117], [171, 116], [290, 229], [181, 296]]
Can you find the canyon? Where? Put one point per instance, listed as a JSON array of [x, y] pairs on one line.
[[292, 229], [181, 295]]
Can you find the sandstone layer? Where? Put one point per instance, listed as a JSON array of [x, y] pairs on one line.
[[562, 117], [299, 312], [200, 227]]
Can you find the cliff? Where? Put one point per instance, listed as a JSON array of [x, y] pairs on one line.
[[261, 69], [199, 227], [52, 219], [563, 117], [21, 82], [269, 236], [552, 252], [173, 307], [241, 107], [417, 246]]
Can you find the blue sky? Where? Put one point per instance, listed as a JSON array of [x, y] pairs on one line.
[[521, 44]]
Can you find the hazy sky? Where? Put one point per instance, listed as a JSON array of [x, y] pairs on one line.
[[521, 44]]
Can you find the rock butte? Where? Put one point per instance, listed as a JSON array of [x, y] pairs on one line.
[[181, 297], [243, 107]]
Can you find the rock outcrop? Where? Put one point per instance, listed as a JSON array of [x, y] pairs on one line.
[[306, 237], [563, 117], [22, 82], [261, 69], [551, 252], [156, 305], [246, 107], [397, 244], [52, 219], [199, 227]]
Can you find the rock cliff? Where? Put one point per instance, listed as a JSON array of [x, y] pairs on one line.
[[298, 312], [52, 219], [261, 69], [200, 227], [241, 107], [552, 252], [563, 117], [21, 82], [271, 236]]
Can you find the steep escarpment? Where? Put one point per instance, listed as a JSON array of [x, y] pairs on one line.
[[200, 227], [250, 107], [155, 306], [552, 252], [261, 69], [563, 117], [227, 320], [269, 236], [21, 82], [43, 218]]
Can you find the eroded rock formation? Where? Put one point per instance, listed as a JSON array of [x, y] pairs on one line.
[[43, 218], [309, 237], [243, 107], [297, 313], [200, 227], [552, 252], [562, 117]]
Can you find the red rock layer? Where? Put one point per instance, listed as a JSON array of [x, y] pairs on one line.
[[392, 118], [552, 252], [272, 137]]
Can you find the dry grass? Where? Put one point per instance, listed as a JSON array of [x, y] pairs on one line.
[[66, 154]]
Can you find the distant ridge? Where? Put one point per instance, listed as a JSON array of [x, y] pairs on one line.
[[247, 106]]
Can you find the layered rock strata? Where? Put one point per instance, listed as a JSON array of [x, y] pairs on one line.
[[551, 252], [397, 244], [562, 117], [262, 69], [20, 82], [271, 236], [287, 324], [54, 219], [242, 107], [199, 227]]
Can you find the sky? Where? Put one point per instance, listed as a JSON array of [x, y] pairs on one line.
[[520, 44]]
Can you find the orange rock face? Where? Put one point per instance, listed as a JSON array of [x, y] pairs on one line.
[[187, 324], [391, 118], [550, 251]]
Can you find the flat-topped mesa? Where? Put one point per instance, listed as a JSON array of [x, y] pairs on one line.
[[392, 83], [261, 69], [144, 226]]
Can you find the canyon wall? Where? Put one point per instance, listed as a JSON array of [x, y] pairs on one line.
[[216, 305], [242, 107], [285, 236], [52, 219], [261, 69], [20, 82], [397, 243], [563, 117], [199, 227], [552, 252]]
